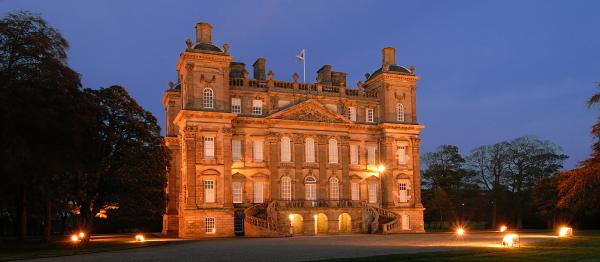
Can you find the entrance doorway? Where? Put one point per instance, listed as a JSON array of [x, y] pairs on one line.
[[345, 223], [321, 223], [297, 223]]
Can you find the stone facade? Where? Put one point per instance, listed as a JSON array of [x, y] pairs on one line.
[[263, 157]]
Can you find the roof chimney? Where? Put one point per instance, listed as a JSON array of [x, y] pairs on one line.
[[260, 68], [388, 55], [203, 33]]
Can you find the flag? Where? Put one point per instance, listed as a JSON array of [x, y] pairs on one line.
[[300, 55]]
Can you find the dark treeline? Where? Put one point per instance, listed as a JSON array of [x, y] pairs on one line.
[[514, 183], [70, 156]]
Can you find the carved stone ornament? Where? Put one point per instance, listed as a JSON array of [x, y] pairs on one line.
[[295, 77], [400, 95], [226, 48], [310, 114], [188, 43], [189, 67]]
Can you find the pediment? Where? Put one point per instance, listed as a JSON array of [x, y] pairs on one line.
[[309, 110]]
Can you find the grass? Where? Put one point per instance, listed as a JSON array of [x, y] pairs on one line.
[[30, 249], [585, 246]]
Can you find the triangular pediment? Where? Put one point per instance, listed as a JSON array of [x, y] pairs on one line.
[[309, 110]]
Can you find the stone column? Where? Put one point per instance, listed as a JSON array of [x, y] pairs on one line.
[[190, 165], [322, 157], [225, 156], [345, 161], [298, 151], [416, 171], [387, 144], [274, 159], [189, 97]]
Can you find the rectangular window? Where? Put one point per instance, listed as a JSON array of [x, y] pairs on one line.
[[333, 151], [257, 107], [209, 191], [258, 192], [372, 193], [371, 155], [257, 151], [236, 191], [370, 116], [209, 225], [236, 105], [310, 150], [352, 113], [403, 193], [402, 155], [355, 191], [286, 188], [286, 149], [354, 154], [209, 147], [236, 150], [310, 192], [334, 189]]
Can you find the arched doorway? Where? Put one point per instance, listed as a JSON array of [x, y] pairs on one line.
[[345, 223], [321, 223], [297, 222]]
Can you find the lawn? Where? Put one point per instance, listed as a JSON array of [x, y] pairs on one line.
[[585, 246], [16, 250]]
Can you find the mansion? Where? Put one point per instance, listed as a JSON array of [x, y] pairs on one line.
[[255, 156]]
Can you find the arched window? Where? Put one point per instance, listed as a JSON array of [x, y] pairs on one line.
[[286, 149], [333, 151], [310, 188], [309, 148], [286, 188], [207, 99], [334, 189], [400, 112]]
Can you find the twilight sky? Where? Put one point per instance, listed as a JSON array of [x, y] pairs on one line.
[[490, 70]]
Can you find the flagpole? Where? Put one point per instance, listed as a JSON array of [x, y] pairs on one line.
[[304, 63]]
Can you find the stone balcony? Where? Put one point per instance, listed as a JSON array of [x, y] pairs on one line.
[[299, 88]]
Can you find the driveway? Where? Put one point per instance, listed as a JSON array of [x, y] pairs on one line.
[[300, 248]]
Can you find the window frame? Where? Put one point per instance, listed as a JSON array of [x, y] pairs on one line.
[[333, 151], [257, 107], [309, 150], [286, 149], [208, 96], [236, 107], [334, 189], [258, 156], [372, 194], [209, 187], [209, 151], [210, 225], [236, 150], [286, 188], [370, 115], [355, 191], [400, 117], [237, 192]]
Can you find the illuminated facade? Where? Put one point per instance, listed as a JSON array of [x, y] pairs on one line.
[[263, 157]]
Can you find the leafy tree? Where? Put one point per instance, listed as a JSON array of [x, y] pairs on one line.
[[125, 160], [580, 190], [444, 168], [39, 108]]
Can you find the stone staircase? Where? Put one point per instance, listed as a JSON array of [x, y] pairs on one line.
[[260, 220], [382, 220]]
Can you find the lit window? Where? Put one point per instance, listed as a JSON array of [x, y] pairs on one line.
[[209, 191], [355, 191], [402, 155], [257, 151], [372, 193], [286, 188], [371, 155], [257, 107], [354, 154], [236, 105], [334, 189], [258, 192], [286, 149], [370, 117], [236, 150], [209, 147], [400, 112], [207, 101], [236, 190], [309, 149], [403, 193], [333, 151], [352, 113], [209, 225]]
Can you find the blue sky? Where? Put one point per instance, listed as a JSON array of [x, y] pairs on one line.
[[490, 70]]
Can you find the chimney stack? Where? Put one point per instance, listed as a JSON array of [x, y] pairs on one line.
[[388, 55], [259, 69], [203, 33]]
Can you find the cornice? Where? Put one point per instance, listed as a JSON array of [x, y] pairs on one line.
[[212, 117], [219, 58]]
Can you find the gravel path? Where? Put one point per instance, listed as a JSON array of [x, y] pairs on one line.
[[300, 248]]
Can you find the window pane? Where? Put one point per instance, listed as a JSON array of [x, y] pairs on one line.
[[257, 150], [403, 192], [334, 189], [310, 150], [372, 193], [286, 188], [371, 155], [236, 150], [401, 155], [311, 192], [354, 154], [236, 105], [258, 192], [286, 152], [209, 147], [209, 225], [207, 101], [209, 191], [333, 151], [355, 191], [237, 192]]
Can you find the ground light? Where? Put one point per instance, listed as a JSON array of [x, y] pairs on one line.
[[139, 238], [511, 240], [503, 228], [565, 232], [74, 238], [81, 235], [460, 232]]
